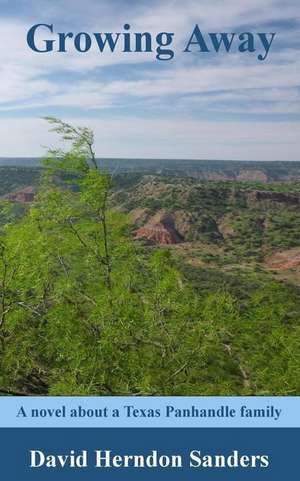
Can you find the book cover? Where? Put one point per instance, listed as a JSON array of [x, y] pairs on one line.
[[149, 240]]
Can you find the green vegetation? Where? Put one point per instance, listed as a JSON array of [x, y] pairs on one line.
[[227, 170], [85, 310], [249, 220], [14, 178]]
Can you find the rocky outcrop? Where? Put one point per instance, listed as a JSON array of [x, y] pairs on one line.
[[184, 222], [252, 176], [160, 229], [289, 259], [258, 196], [24, 196], [140, 216]]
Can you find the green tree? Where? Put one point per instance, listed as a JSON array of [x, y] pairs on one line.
[[86, 310]]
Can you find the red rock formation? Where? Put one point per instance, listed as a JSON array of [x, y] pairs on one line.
[[24, 196], [284, 260], [252, 175], [159, 230]]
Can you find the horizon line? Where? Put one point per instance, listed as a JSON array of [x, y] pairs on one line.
[[156, 158]]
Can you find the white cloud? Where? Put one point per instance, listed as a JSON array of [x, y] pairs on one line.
[[230, 84], [237, 81]]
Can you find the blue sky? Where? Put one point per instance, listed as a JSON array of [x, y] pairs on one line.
[[226, 106]]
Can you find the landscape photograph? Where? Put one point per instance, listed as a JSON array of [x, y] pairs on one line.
[[150, 209]]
